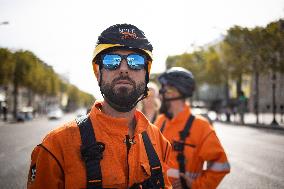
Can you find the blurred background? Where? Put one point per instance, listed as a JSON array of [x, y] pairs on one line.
[[235, 50]]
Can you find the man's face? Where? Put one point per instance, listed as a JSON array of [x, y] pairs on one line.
[[123, 86], [168, 92]]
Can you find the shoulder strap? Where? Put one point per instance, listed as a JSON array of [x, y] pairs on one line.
[[185, 132], [180, 157], [91, 151], [163, 126], [157, 178]]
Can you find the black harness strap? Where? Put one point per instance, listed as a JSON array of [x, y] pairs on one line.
[[156, 180], [163, 126], [179, 146], [185, 133], [155, 164], [91, 151]]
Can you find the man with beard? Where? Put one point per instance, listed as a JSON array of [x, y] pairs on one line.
[[114, 145], [193, 139]]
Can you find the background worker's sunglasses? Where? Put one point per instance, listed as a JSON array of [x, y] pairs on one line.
[[113, 61], [164, 90]]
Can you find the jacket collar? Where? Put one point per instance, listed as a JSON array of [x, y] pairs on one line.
[[116, 125]]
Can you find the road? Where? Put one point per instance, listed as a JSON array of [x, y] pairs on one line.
[[16, 143], [256, 155]]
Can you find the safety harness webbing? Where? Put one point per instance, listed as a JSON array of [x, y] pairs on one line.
[[180, 157], [92, 153], [163, 126], [179, 146], [186, 131], [155, 164]]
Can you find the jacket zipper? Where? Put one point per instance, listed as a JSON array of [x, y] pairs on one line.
[[128, 145]]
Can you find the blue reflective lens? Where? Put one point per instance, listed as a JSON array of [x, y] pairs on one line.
[[111, 61], [134, 61]]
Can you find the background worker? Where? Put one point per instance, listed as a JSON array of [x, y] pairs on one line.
[[114, 146], [151, 104], [193, 139]]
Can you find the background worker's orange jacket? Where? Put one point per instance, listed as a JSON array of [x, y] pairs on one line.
[[67, 170], [207, 149]]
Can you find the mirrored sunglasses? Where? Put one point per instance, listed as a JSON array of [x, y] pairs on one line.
[[167, 90], [113, 61]]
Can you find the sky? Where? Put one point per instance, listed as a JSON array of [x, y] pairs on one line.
[[63, 33]]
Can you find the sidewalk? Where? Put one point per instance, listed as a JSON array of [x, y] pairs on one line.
[[10, 120], [260, 126], [265, 120]]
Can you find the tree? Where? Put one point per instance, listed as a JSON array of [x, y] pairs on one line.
[[194, 62], [234, 53], [6, 66], [22, 74], [255, 42], [273, 52], [216, 72]]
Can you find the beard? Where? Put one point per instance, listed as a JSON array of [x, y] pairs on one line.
[[123, 96]]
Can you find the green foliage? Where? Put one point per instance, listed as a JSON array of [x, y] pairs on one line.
[[215, 69], [25, 69], [243, 51], [274, 46], [235, 52], [79, 98], [191, 61], [6, 66]]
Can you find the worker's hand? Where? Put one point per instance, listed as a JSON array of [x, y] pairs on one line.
[[187, 179], [177, 184]]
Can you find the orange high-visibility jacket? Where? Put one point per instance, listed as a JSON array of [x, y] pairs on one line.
[[62, 167], [207, 149]]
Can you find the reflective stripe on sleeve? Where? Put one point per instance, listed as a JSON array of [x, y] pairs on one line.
[[174, 173], [219, 167]]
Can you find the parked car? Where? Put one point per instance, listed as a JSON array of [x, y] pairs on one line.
[[209, 115], [55, 113], [25, 114]]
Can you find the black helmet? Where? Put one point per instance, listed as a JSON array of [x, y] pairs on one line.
[[179, 78], [123, 35], [126, 35]]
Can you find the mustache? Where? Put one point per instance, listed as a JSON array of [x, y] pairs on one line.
[[123, 78]]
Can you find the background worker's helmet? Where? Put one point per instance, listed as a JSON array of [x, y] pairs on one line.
[[179, 78], [123, 36]]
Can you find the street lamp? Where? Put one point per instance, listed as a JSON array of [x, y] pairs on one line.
[[274, 122]]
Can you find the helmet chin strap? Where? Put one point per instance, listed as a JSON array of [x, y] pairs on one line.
[[125, 108], [165, 109], [174, 98]]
